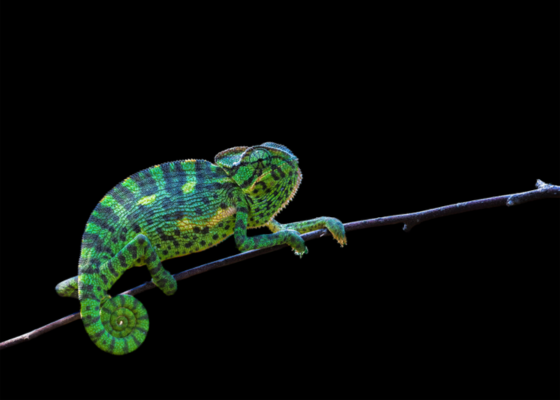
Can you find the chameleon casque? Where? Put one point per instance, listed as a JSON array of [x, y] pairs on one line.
[[174, 209]]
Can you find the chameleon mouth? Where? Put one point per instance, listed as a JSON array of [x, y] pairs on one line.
[[260, 178]]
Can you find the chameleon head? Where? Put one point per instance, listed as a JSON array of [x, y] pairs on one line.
[[268, 174], [269, 163]]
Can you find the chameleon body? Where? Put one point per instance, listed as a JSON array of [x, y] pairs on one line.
[[174, 209]]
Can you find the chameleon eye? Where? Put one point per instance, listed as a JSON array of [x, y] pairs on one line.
[[260, 159]]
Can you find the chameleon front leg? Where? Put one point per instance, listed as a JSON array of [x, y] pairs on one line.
[[285, 236], [334, 226]]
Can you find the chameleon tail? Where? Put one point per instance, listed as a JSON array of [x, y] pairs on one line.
[[68, 288], [121, 325]]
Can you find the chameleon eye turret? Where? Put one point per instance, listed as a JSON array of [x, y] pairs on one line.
[[175, 209]]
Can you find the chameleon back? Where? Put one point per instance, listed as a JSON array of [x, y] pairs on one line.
[[175, 204]]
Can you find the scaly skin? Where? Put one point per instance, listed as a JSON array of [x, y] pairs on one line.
[[174, 209]]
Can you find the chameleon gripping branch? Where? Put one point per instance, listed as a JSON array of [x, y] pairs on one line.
[[409, 220], [175, 209]]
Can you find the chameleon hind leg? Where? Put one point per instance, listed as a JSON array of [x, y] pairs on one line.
[[139, 251], [144, 250], [334, 226]]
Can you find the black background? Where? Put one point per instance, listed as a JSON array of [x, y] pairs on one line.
[[390, 111]]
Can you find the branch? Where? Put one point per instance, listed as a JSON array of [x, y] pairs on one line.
[[409, 220]]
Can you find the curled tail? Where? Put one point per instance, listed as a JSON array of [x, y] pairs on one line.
[[116, 325]]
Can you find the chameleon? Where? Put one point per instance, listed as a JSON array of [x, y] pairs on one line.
[[175, 209]]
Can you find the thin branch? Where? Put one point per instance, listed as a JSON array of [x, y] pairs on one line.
[[543, 191]]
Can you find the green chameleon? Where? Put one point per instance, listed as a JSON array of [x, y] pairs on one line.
[[174, 209]]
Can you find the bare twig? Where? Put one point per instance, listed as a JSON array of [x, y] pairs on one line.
[[543, 191]]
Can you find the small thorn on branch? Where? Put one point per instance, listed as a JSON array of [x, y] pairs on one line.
[[544, 190], [408, 227], [512, 201]]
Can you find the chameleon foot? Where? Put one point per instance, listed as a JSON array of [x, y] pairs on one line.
[[336, 228], [295, 241], [166, 283]]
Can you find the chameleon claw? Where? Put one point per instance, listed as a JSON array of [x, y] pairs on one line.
[[341, 241], [300, 254]]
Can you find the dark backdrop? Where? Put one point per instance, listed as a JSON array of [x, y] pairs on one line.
[[390, 111]]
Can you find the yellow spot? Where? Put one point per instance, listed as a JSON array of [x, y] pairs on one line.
[[188, 187], [147, 200], [221, 215], [186, 224]]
